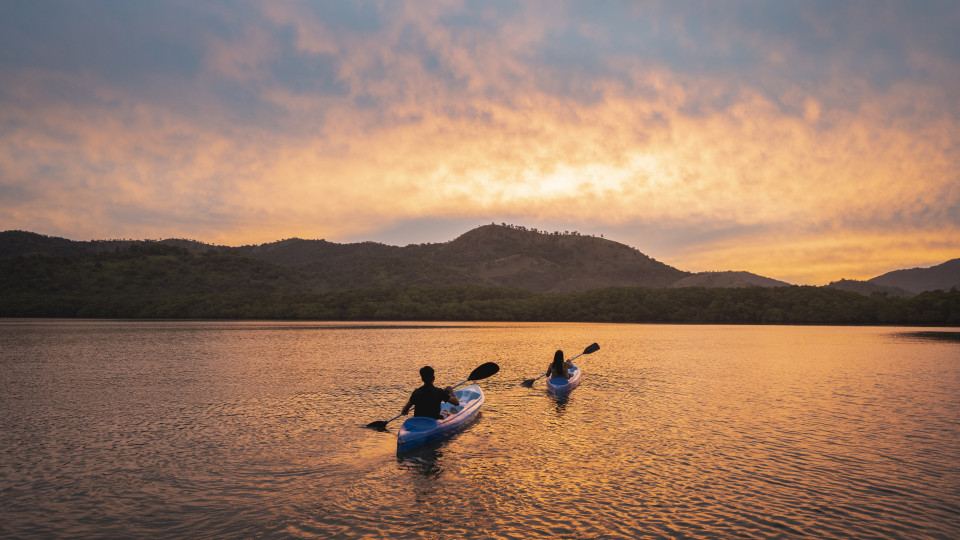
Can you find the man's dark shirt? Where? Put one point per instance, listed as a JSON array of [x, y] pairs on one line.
[[426, 401]]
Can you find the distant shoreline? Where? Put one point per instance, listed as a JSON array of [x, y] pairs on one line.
[[452, 284]]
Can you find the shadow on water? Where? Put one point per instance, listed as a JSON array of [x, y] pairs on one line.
[[424, 461], [560, 404], [377, 425], [931, 335]]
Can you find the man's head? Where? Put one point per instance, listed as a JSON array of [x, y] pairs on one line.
[[426, 373]]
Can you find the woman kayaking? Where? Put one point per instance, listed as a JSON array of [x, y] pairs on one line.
[[559, 367]]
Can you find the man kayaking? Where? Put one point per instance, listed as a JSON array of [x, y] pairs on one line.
[[559, 367], [426, 400]]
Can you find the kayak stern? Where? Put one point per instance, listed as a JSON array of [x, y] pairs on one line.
[[560, 386], [420, 430]]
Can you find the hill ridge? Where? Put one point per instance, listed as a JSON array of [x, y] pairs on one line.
[[489, 255], [944, 276]]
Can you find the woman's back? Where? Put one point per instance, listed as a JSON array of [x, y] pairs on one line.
[[559, 368]]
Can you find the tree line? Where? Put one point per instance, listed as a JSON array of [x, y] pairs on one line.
[[165, 282]]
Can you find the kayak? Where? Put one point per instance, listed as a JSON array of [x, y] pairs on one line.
[[560, 386], [421, 430]]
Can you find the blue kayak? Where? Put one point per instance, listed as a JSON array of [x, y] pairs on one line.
[[420, 430], [559, 386]]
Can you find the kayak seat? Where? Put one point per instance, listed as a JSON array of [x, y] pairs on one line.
[[450, 407], [467, 395]]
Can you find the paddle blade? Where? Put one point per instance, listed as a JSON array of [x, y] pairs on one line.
[[528, 383], [591, 349], [484, 371], [382, 424]]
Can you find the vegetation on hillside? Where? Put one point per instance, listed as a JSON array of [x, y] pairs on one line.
[[155, 280], [491, 255], [942, 276]]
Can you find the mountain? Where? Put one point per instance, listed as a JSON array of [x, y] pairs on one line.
[[728, 280], [14, 243], [20, 243], [917, 280], [491, 255], [517, 257]]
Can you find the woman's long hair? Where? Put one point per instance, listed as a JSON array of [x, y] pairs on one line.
[[558, 362]]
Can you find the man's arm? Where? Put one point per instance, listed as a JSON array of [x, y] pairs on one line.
[[453, 397], [406, 408]]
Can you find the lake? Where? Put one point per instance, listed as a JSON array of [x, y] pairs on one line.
[[256, 429]]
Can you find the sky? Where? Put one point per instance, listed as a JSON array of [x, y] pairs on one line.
[[803, 141]]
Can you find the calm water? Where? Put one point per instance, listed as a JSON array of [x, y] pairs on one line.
[[221, 429]]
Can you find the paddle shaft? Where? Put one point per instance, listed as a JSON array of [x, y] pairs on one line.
[[538, 378]]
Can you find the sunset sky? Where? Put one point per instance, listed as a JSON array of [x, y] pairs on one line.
[[804, 141]]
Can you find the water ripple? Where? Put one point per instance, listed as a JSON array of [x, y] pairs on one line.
[[172, 430]]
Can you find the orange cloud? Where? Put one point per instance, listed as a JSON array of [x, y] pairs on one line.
[[828, 190]]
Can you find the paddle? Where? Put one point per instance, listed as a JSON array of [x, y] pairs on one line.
[[589, 350], [481, 372]]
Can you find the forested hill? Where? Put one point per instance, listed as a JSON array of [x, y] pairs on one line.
[[522, 258], [942, 276], [491, 255], [479, 276]]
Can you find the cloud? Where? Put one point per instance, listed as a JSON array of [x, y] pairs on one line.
[[723, 127]]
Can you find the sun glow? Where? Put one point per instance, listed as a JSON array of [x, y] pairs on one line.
[[591, 179], [295, 125]]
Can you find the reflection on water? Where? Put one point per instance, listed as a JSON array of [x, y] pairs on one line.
[[929, 334], [185, 429], [560, 403], [425, 461]]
